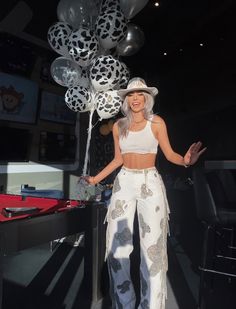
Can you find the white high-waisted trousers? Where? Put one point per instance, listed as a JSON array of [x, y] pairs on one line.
[[144, 191]]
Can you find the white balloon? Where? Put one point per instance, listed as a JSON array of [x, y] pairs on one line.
[[83, 46], [79, 99], [58, 35], [110, 28], [125, 76], [105, 73], [107, 104], [107, 5]]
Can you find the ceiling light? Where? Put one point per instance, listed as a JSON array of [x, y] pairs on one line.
[[156, 4]]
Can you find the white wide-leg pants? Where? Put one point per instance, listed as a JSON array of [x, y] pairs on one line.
[[144, 191]]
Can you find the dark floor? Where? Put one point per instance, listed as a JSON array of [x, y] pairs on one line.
[[40, 279]]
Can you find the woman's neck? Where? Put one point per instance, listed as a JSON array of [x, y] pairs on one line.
[[138, 118]]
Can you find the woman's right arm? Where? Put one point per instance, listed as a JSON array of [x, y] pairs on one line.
[[114, 164]]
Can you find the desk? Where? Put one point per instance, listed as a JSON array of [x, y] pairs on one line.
[[55, 219]]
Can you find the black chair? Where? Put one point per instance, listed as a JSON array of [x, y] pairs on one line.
[[218, 216]]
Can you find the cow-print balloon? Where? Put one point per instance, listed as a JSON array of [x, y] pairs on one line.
[[108, 5], [78, 99], [125, 76], [111, 28], [58, 35], [83, 46], [107, 104], [84, 80], [105, 73]]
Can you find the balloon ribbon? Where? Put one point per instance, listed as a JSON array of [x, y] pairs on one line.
[[88, 141]]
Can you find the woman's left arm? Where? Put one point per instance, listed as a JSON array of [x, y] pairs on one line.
[[161, 134]]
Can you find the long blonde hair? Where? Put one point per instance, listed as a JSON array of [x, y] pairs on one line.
[[124, 123]]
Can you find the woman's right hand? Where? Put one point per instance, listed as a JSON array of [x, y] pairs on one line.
[[90, 180]]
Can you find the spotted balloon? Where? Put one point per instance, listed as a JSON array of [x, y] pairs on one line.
[[107, 5], [105, 73], [110, 28], [58, 35], [125, 75], [107, 104], [83, 46], [79, 99]]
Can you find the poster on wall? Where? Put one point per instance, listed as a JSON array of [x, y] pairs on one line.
[[54, 108], [18, 98]]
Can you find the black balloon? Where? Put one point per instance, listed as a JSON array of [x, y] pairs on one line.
[[132, 42]]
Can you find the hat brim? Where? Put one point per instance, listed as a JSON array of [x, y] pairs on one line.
[[151, 90]]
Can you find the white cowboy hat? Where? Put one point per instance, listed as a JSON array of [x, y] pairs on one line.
[[137, 84]]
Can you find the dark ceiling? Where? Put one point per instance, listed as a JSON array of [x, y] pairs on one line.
[[170, 28], [197, 76]]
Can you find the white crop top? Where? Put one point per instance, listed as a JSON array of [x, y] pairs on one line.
[[142, 141]]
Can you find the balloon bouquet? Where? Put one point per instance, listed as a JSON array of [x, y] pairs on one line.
[[87, 35]]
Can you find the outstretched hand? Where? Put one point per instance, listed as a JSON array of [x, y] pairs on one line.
[[193, 153]]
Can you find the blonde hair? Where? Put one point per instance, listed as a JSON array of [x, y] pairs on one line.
[[124, 123]]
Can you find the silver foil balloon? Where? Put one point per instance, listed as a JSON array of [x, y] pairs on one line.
[[131, 7], [133, 41]]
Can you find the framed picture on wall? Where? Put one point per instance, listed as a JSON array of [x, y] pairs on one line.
[[54, 108], [18, 98]]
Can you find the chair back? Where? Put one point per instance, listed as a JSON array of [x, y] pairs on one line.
[[205, 203]]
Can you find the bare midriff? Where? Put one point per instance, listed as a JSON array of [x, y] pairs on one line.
[[139, 161]]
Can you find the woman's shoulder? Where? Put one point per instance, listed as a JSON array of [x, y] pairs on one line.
[[118, 121], [156, 119]]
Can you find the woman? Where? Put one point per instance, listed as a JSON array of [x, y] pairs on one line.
[[138, 186]]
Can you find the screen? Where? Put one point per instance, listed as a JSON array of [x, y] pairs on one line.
[[54, 108], [57, 147]]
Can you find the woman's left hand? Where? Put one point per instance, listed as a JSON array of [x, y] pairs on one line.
[[193, 153]]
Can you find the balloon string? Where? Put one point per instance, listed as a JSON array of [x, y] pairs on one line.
[[96, 123], [88, 142]]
